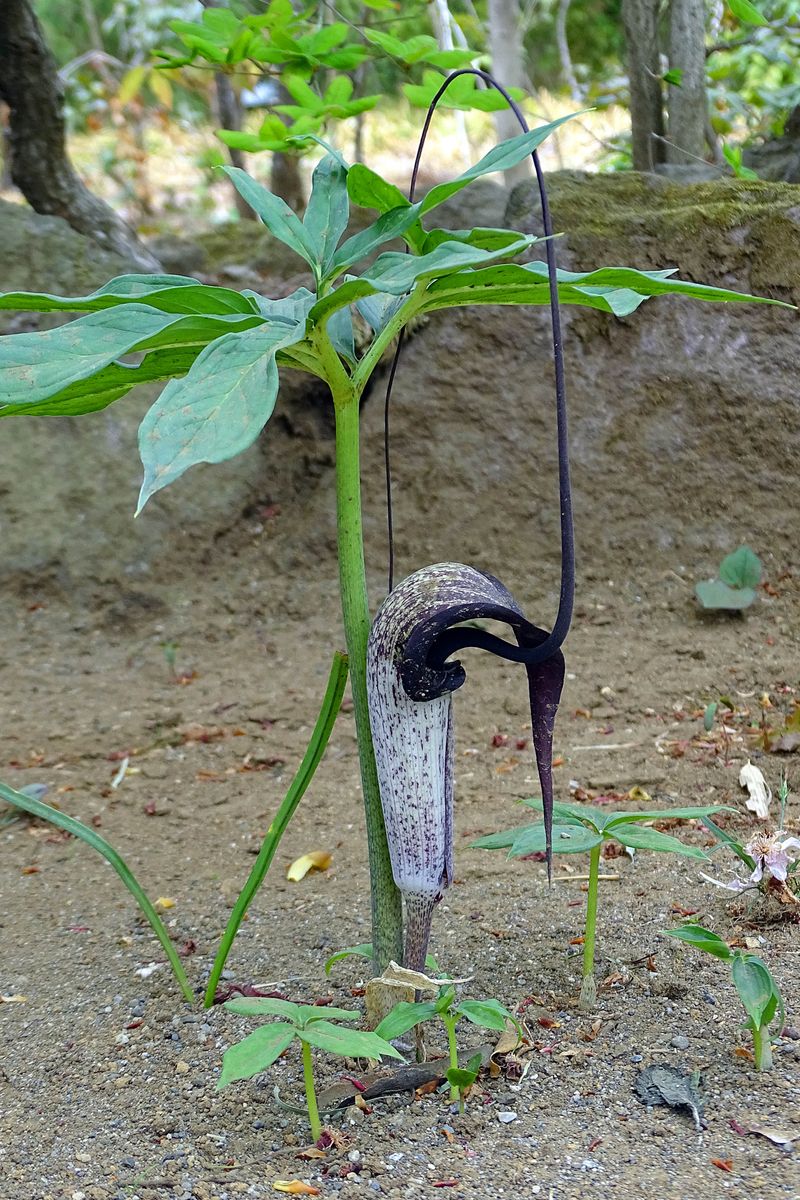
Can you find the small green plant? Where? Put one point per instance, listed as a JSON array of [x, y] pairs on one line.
[[312, 1025], [486, 1014], [752, 979], [734, 588], [581, 829]]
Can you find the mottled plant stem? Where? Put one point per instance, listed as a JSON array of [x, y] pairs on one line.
[[419, 918], [589, 986], [311, 1095], [387, 917]]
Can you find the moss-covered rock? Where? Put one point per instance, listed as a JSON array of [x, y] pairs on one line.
[[709, 230]]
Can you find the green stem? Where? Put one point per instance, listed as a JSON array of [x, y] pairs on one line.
[[311, 1095], [305, 773], [588, 986], [762, 1049], [387, 916], [455, 1092]]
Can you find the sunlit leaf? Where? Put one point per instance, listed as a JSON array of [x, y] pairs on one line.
[[353, 1043], [256, 1052], [217, 410]]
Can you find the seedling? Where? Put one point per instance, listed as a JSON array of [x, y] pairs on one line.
[[579, 829], [486, 1014], [734, 589], [311, 1025], [758, 991]]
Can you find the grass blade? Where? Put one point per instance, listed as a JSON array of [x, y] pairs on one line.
[[305, 773], [37, 808]]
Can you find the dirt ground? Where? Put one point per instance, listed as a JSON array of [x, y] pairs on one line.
[[107, 1079]]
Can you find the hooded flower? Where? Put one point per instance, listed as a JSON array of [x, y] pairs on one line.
[[410, 681]]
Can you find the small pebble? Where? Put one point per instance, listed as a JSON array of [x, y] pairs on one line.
[[507, 1116], [680, 1041], [636, 1058]]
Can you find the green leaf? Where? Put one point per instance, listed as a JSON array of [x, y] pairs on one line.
[[328, 209], [329, 709], [756, 988], [638, 838], [265, 1006], [396, 273], [36, 366], [567, 839], [746, 11], [742, 569], [362, 951], [488, 1014], [44, 812], [279, 219], [340, 331], [714, 594], [405, 1016], [217, 410], [613, 289], [499, 841], [572, 814], [378, 310], [701, 939], [350, 1043], [689, 813], [395, 223], [256, 1052], [365, 951], [169, 293], [108, 385], [367, 189], [674, 76], [486, 239], [709, 715], [461, 1077], [323, 1012], [726, 840], [501, 158]]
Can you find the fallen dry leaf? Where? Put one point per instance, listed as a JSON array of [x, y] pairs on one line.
[[394, 973], [778, 1137], [724, 1164], [16, 999], [317, 860], [310, 1152], [295, 1187], [165, 902]]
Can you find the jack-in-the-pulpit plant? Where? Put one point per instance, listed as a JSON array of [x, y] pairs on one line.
[[752, 978], [220, 350], [582, 828]]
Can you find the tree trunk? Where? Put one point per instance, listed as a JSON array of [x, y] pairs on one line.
[[229, 114], [229, 111], [40, 166], [505, 47], [442, 23], [687, 104], [640, 21]]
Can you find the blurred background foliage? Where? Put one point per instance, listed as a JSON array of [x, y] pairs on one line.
[[144, 81]]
